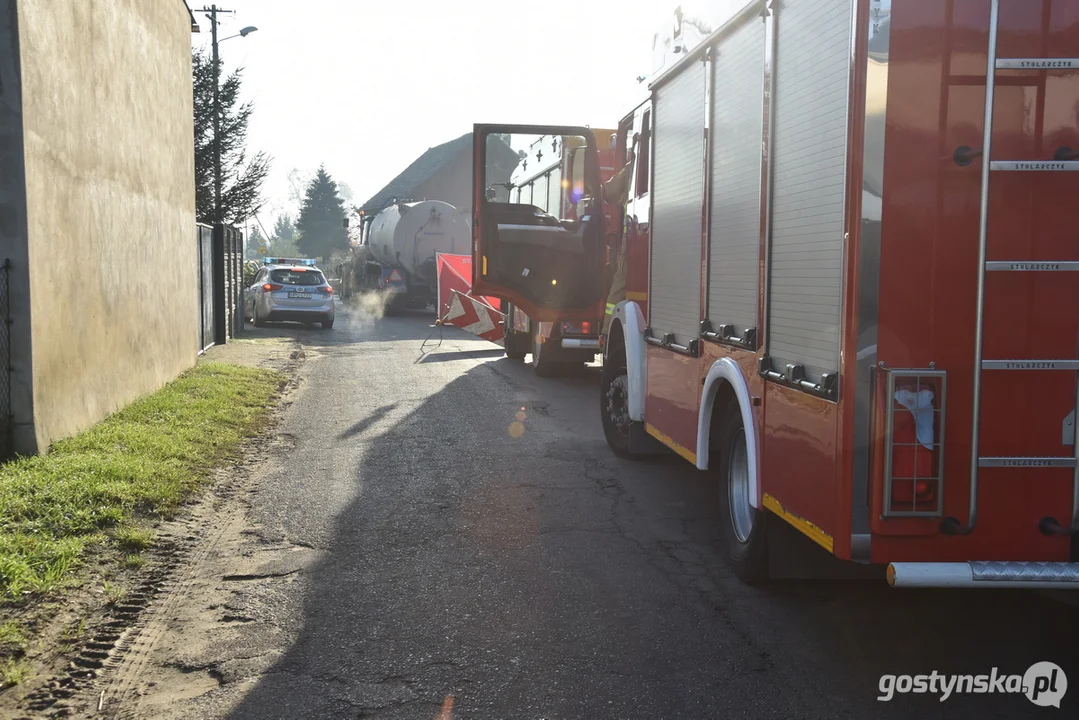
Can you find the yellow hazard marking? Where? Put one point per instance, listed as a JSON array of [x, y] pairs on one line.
[[641, 296], [484, 264], [800, 523], [669, 442]]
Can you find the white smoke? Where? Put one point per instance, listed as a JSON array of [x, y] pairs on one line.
[[368, 306]]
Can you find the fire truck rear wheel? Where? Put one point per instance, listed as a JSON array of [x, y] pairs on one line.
[[614, 407], [743, 526]]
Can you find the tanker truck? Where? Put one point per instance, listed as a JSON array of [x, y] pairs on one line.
[[397, 254]]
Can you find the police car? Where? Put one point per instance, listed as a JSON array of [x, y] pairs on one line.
[[289, 289]]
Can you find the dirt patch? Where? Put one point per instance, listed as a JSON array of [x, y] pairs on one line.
[[90, 648], [276, 353]]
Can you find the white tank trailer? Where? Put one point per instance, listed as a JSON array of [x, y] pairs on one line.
[[400, 245]]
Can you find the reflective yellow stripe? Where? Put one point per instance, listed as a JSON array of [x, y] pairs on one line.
[[484, 264], [641, 296], [669, 442], [801, 524]]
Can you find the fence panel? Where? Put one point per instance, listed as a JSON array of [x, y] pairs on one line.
[[234, 245], [6, 424], [204, 242]]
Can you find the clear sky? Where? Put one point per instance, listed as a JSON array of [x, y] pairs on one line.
[[366, 87]]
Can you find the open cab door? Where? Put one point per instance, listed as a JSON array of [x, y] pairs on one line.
[[526, 248]]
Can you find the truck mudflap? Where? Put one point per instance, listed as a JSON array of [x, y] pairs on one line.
[[474, 316], [641, 443], [985, 574]]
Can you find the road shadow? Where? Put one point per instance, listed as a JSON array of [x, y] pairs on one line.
[[367, 422], [434, 356], [498, 558]]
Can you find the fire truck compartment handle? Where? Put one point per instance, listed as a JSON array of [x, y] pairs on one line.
[[726, 334], [1051, 526], [1065, 153], [667, 342], [964, 155]]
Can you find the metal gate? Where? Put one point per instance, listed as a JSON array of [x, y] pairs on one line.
[[6, 416], [220, 268], [204, 238]]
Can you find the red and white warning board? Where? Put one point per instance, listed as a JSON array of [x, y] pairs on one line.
[[477, 315], [474, 316], [455, 273]]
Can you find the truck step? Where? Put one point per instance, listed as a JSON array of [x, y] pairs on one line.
[[1028, 266], [1055, 461], [1037, 63], [985, 574], [1035, 165], [1030, 364]]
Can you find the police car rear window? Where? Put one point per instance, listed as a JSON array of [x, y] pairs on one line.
[[292, 277]]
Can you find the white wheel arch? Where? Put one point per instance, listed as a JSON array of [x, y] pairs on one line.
[[725, 370], [628, 314]]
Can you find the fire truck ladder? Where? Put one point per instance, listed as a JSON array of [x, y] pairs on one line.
[[1064, 160]]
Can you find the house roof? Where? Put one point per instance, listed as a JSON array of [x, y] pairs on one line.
[[194, 23], [406, 185], [420, 171]]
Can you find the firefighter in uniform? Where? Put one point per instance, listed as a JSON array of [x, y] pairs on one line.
[[616, 192]]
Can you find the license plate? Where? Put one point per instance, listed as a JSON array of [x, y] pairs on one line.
[[300, 296]]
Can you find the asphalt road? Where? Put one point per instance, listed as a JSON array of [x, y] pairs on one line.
[[470, 535]]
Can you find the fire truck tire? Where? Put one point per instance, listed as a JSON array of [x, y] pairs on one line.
[[613, 407], [743, 525]]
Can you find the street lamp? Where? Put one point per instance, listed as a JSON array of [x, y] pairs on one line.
[[212, 12], [243, 33]]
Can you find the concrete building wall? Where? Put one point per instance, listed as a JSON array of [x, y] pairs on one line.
[[110, 203]]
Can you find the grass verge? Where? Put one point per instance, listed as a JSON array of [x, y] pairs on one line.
[[94, 490]]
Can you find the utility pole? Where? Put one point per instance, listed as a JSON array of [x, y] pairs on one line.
[[217, 118], [212, 12], [221, 265]]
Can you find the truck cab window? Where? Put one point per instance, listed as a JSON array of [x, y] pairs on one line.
[[528, 170]]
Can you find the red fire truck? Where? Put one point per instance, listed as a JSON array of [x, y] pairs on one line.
[[851, 294], [550, 177]]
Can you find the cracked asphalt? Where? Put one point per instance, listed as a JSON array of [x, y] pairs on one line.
[[447, 524]]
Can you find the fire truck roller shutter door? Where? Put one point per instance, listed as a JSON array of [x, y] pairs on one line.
[[735, 237], [807, 243], [677, 198], [726, 370]]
